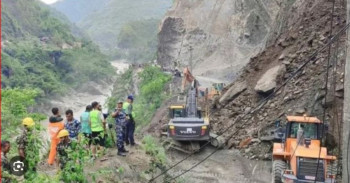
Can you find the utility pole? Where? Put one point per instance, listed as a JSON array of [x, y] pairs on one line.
[[346, 112]]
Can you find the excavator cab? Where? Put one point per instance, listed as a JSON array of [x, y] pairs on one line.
[[300, 156], [176, 111]]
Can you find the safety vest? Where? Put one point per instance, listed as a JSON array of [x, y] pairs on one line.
[[96, 122]]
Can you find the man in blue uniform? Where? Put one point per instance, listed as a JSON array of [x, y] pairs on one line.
[[120, 122]]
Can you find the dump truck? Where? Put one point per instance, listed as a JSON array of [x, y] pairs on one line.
[[300, 156]]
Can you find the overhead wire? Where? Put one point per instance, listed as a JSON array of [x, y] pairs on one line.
[[346, 27], [311, 58], [264, 101], [326, 88]]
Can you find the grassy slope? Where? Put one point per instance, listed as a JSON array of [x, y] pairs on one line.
[[28, 62]]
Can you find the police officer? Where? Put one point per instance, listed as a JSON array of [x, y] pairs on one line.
[[120, 122]]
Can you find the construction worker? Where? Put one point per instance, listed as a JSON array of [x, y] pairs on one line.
[[6, 177], [55, 125], [120, 122], [97, 125], [62, 147], [22, 140], [85, 127], [72, 125], [130, 124]]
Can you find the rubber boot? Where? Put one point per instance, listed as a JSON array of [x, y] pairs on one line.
[[120, 153]]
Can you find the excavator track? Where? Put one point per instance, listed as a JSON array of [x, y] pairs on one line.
[[187, 147]]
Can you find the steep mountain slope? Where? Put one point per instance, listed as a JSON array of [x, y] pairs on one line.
[[306, 28], [263, 47], [77, 10], [40, 51], [104, 25], [223, 35]]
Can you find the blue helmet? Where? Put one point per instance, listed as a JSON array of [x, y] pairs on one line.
[[131, 97]]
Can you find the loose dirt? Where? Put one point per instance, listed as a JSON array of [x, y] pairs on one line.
[[225, 166]]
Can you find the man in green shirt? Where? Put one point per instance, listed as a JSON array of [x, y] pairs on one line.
[[97, 124], [130, 124]]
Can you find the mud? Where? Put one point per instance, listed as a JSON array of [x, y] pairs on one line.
[[225, 166]]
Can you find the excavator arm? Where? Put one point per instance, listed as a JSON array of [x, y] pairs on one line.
[[187, 78]]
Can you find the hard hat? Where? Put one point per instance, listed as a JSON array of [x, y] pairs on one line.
[[28, 122], [63, 133]]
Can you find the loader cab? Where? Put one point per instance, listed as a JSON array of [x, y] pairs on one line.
[[311, 126], [301, 155]]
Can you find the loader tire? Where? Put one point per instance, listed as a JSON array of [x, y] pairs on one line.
[[332, 168], [278, 166]]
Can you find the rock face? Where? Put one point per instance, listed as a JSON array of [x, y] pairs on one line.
[[233, 92], [268, 81], [220, 35], [300, 30]]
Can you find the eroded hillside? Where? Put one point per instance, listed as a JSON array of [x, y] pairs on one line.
[[222, 34]]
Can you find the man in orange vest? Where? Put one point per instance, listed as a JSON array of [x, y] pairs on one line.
[[56, 124]]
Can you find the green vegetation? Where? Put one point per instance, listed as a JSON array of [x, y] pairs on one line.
[[152, 85], [42, 57], [137, 40], [157, 152], [39, 50], [14, 105], [105, 26], [74, 168]]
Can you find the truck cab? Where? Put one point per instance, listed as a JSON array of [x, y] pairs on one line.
[[300, 156]]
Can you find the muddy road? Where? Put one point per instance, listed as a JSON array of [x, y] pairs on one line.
[[225, 166]]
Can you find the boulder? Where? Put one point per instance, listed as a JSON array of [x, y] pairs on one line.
[[233, 92], [268, 81]]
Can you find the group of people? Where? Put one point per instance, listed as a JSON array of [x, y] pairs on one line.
[[92, 126]]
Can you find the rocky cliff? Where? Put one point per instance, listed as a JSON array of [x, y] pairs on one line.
[[301, 29], [220, 36], [259, 44]]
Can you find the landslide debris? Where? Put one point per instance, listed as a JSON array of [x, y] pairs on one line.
[[305, 29]]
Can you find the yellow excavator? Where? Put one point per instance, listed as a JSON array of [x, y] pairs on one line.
[[188, 124]]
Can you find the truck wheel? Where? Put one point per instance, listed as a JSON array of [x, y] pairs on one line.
[[278, 166], [332, 168]]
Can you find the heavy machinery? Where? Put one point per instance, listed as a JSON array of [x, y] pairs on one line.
[[297, 157], [188, 124], [216, 90]]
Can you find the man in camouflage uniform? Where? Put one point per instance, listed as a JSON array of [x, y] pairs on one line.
[[63, 147], [22, 141], [5, 163], [120, 122]]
